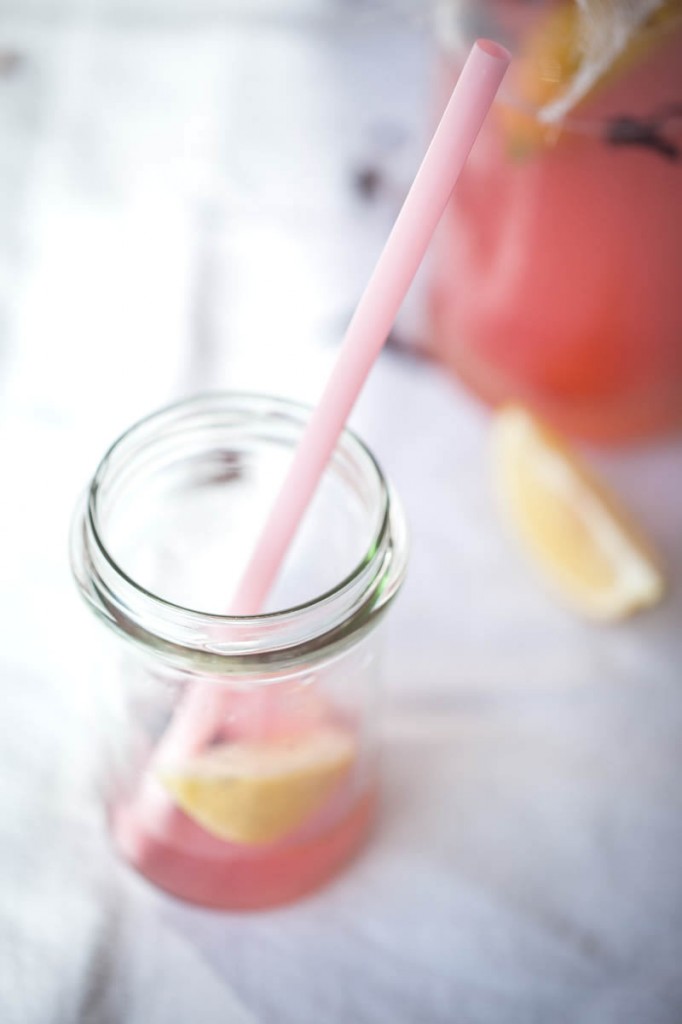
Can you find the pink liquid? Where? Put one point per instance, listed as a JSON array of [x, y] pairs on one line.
[[198, 867], [558, 274], [175, 853]]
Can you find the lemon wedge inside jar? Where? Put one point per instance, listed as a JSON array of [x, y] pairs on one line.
[[258, 792]]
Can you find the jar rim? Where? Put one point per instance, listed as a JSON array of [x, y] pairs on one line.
[[134, 609]]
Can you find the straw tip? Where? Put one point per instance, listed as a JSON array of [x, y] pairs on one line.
[[493, 49]]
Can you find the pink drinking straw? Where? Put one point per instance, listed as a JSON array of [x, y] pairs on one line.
[[196, 719]]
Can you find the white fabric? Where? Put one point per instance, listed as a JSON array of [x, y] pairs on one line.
[[526, 867]]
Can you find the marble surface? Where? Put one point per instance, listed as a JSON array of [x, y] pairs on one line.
[[163, 168]]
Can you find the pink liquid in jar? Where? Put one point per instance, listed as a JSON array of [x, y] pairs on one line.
[[175, 853]]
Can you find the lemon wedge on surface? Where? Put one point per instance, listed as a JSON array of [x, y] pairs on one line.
[[579, 536], [258, 792]]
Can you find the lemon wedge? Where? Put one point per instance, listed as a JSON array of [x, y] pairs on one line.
[[258, 792], [581, 539], [552, 70]]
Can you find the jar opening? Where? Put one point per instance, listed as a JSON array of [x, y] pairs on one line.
[[175, 508]]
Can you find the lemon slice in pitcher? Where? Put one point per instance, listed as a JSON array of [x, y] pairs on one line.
[[258, 792], [581, 539], [571, 52]]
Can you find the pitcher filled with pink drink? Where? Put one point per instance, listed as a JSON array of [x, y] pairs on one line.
[[558, 269]]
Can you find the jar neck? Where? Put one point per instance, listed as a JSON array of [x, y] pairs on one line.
[[203, 642]]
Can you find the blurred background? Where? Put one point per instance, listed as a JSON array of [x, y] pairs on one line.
[[192, 196], [167, 167]]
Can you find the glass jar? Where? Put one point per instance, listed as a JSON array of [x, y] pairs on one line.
[[243, 750], [556, 272]]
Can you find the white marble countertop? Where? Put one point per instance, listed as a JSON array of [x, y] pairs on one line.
[[162, 168]]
